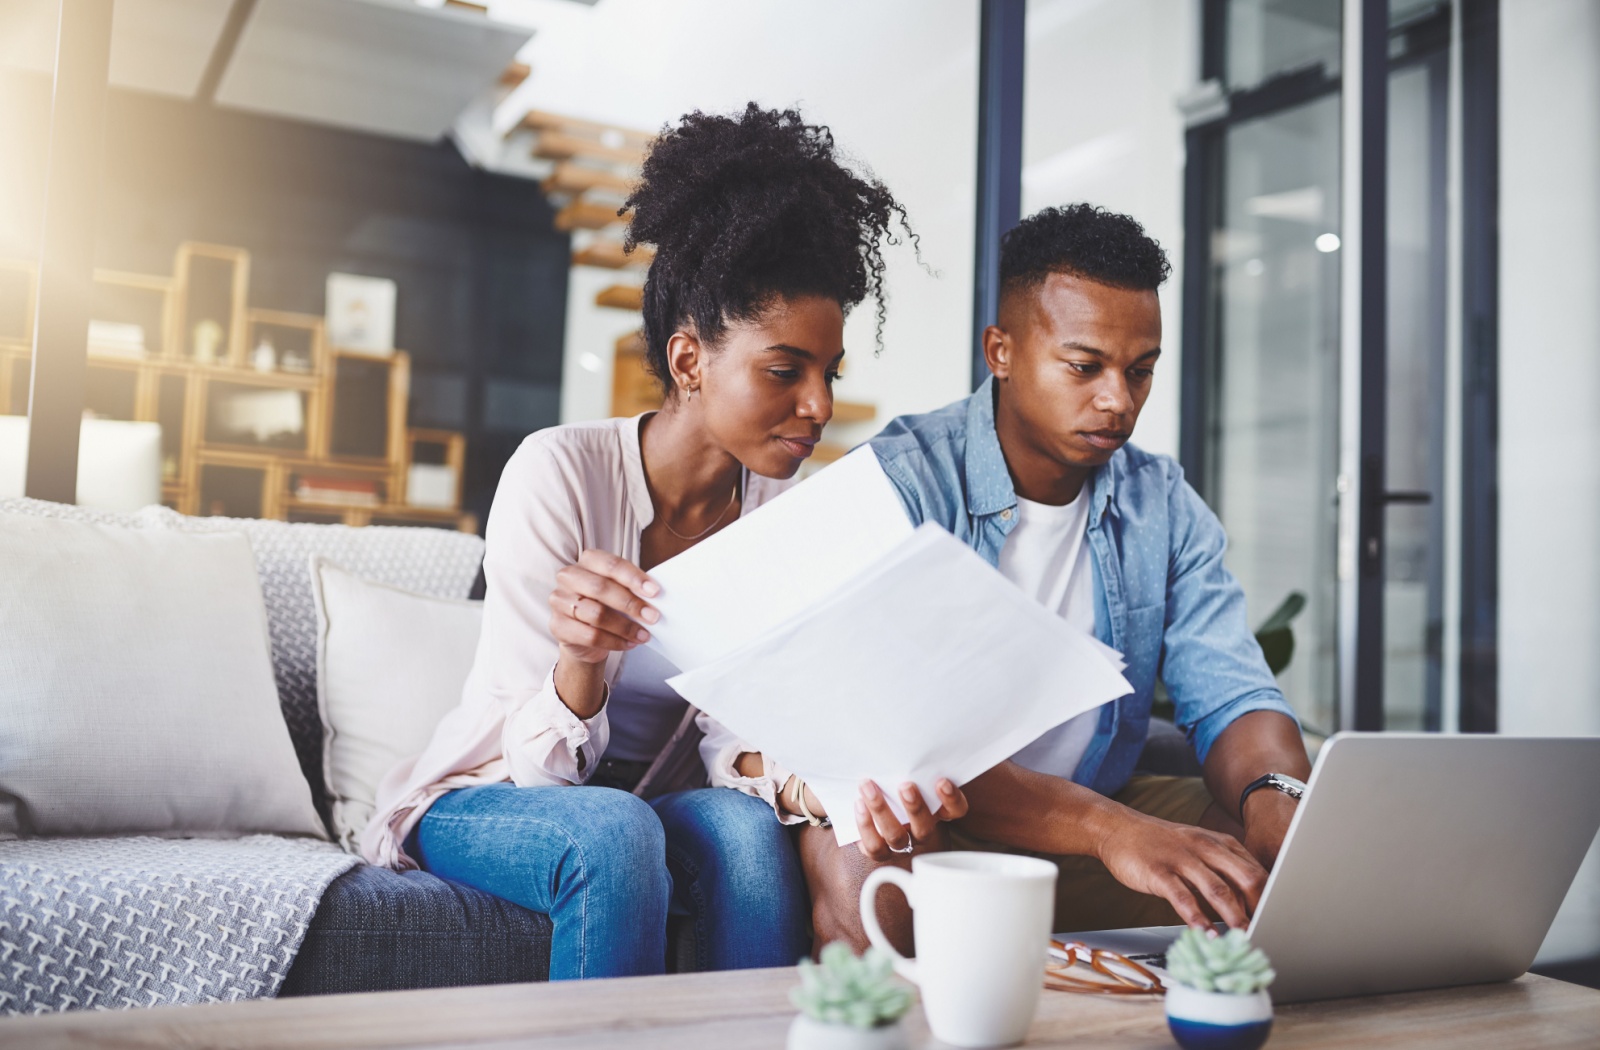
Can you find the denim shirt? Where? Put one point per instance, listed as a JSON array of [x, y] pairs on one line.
[[1163, 597]]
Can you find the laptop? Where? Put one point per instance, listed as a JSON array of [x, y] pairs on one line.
[[1417, 861]]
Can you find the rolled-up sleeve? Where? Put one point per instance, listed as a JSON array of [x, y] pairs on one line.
[[720, 750], [545, 743], [533, 533], [1212, 664]]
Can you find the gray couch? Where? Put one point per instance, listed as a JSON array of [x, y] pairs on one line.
[[374, 929]]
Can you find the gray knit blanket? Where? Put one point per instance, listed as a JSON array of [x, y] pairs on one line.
[[111, 923]]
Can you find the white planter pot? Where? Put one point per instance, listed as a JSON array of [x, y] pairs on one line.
[[1217, 1020], [806, 1033]]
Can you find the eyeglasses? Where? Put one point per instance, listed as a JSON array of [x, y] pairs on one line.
[[1117, 974]]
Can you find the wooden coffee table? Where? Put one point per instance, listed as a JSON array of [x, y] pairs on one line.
[[750, 1011]]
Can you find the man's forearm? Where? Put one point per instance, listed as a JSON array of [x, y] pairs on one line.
[[1016, 806], [1254, 745]]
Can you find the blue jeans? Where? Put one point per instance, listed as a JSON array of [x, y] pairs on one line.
[[607, 866], [736, 874]]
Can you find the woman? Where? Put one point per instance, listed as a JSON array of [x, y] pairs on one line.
[[763, 242]]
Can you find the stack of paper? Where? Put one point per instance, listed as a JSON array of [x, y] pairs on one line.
[[831, 636]]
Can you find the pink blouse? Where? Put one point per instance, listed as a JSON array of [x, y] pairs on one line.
[[565, 490]]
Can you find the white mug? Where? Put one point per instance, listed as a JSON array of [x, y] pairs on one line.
[[982, 924]]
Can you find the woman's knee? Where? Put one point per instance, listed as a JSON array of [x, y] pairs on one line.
[[620, 827], [720, 817], [543, 833], [733, 836]]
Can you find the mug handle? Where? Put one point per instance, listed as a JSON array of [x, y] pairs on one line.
[[906, 968]]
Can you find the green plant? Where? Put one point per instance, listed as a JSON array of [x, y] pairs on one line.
[[1218, 964], [844, 989], [1276, 637]]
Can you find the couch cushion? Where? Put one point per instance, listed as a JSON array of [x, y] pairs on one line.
[[382, 930], [428, 561], [136, 687], [390, 665]]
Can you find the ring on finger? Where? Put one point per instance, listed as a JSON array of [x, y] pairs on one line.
[[575, 602], [907, 848]]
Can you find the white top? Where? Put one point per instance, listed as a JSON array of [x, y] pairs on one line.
[[1047, 555], [565, 490]]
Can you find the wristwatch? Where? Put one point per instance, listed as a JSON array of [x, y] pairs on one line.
[[1295, 789]]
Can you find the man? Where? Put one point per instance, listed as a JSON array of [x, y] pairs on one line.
[[1035, 473]]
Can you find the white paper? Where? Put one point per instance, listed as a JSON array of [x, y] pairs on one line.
[[928, 664], [777, 561]]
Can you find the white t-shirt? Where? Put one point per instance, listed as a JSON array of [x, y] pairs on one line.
[[1047, 555]]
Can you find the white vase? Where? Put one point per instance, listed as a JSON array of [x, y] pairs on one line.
[[1218, 1020], [806, 1033]]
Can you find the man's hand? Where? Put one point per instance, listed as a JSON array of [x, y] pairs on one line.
[[1189, 867], [1185, 866]]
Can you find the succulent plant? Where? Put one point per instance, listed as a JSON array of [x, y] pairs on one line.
[[844, 989], [1218, 964]]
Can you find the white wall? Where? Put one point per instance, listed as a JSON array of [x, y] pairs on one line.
[[1102, 125], [1550, 393], [896, 80]]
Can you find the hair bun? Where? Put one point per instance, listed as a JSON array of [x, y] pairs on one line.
[[743, 208]]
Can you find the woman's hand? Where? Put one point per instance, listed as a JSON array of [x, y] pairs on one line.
[[882, 834], [596, 610], [598, 606]]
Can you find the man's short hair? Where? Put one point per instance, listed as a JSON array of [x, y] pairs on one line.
[[1084, 241]]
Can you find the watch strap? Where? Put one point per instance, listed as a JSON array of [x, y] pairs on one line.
[[1294, 788]]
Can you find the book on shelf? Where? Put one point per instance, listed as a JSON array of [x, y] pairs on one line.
[[348, 492], [110, 339]]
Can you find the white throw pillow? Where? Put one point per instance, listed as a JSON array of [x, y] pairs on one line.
[[136, 689], [390, 665]]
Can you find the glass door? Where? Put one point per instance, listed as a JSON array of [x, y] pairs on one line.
[[1274, 445], [1264, 234], [1414, 500]]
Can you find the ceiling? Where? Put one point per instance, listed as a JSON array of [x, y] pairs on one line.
[[390, 67]]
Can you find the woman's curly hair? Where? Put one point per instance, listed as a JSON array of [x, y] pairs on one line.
[[744, 209]]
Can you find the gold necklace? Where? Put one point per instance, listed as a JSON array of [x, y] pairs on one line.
[[731, 501]]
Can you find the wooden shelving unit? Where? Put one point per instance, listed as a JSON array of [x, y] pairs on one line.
[[259, 417]]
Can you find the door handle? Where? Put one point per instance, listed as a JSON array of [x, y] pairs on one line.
[[1373, 499]]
